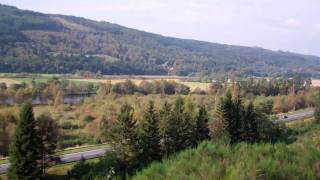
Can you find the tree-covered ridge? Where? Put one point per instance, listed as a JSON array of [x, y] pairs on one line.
[[46, 43]]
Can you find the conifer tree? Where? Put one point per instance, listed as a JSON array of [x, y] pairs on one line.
[[164, 116], [317, 109], [173, 141], [250, 124], [236, 123], [188, 127], [224, 112], [150, 137], [202, 129], [23, 150], [230, 111], [123, 137]]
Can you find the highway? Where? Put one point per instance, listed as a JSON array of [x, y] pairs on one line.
[[69, 157], [298, 116]]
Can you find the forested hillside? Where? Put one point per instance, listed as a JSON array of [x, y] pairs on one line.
[[46, 43]]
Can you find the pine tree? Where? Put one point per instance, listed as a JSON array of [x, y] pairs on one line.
[[230, 111], [23, 150], [224, 112], [237, 119], [250, 124], [123, 137], [164, 126], [150, 137], [317, 109], [202, 129], [188, 127], [173, 141]]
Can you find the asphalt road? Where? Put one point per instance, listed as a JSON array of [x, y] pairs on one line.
[[294, 117], [69, 157]]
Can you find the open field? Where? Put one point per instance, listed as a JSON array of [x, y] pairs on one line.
[[191, 85], [10, 79]]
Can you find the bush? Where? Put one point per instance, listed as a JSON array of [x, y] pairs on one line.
[[106, 168], [218, 160]]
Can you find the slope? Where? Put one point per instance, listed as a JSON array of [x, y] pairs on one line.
[[48, 43]]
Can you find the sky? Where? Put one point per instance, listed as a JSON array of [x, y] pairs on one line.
[[288, 25]]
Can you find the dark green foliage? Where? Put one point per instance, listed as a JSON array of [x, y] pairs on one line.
[[250, 124], [172, 135], [245, 123], [124, 139], [202, 130], [48, 133], [179, 128], [51, 46], [23, 150], [188, 130], [317, 108], [149, 139], [106, 168], [225, 113]]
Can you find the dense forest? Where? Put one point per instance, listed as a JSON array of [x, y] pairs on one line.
[[47, 43]]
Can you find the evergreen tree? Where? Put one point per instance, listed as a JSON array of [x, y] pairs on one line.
[[23, 150], [164, 126], [150, 137], [250, 124], [188, 127], [173, 140], [202, 129], [225, 113], [236, 123], [317, 109], [123, 138], [230, 111]]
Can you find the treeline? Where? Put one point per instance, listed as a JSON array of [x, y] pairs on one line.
[[172, 128], [56, 88], [145, 87], [71, 64], [51, 91], [263, 86]]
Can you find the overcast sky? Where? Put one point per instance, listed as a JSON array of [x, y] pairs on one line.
[[289, 25]]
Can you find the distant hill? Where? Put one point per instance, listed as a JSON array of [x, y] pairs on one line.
[[47, 43]]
